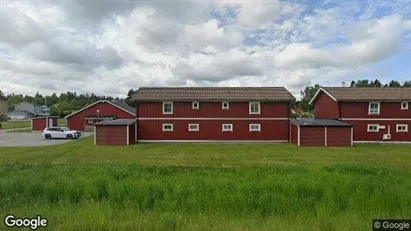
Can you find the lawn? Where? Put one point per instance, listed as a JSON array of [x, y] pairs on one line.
[[80, 186], [20, 130], [15, 124], [10, 125]]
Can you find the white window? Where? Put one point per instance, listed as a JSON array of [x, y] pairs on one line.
[[404, 106], [254, 107], [374, 108], [193, 127], [90, 121], [167, 127], [196, 105], [225, 105], [402, 128], [254, 127], [227, 127], [167, 108], [373, 128]]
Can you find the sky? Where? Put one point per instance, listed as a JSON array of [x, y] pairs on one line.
[[109, 47]]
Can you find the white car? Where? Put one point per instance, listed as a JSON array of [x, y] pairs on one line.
[[60, 132]]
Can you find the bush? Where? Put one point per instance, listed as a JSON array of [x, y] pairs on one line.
[[3, 118]]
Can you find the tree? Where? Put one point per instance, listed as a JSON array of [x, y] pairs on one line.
[[407, 84], [376, 83], [2, 96], [394, 83], [129, 99], [307, 94]]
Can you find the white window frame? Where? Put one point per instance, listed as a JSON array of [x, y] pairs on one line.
[[369, 108], [259, 108], [250, 129], [369, 130], [168, 130], [195, 108], [225, 108], [90, 121], [401, 125], [406, 106], [227, 130], [171, 103], [193, 130]]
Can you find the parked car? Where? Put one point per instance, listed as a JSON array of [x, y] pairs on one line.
[[60, 132]]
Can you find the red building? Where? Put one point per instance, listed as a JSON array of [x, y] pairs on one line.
[[116, 132], [40, 123], [377, 114], [213, 114], [103, 110], [320, 132]]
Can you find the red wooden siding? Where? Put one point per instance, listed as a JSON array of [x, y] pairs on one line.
[[325, 107], [312, 136], [76, 121], [151, 118], [338, 136], [40, 123], [387, 110], [111, 135], [213, 110], [132, 134], [361, 134], [212, 130], [294, 134]]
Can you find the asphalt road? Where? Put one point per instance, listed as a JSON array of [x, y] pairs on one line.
[[27, 139]]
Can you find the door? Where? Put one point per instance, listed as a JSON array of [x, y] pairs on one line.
[[51, 122]]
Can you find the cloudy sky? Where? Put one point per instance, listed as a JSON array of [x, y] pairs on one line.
[[108, 47]]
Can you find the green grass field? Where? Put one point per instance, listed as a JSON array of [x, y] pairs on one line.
[[16, 126], [79, 186]]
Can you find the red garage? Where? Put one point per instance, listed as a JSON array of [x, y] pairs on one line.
[[115, 132], [103, 110], [40, 123], [320, 132]]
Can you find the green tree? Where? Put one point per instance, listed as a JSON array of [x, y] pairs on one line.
[[407, 84], [129, 99], [307, 94], [394, 83]]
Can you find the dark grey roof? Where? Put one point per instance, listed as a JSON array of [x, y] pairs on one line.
[[213, 94], [119, 122], [319, 123], [370, 93], [124, 106], [43, 117]]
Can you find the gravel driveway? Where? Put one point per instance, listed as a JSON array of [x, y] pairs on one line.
[[24, 139]]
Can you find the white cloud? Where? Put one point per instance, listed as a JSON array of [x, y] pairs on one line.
[[370, 42], [210, 35], [222, 66], [256, 14], [50, 46]]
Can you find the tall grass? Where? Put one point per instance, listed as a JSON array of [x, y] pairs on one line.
[[119, 196]]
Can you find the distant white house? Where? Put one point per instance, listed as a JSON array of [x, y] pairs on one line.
[[25, 110]]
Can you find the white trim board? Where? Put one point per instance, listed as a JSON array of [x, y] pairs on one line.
[[95, 135], [100, 101], [318, 92], [128, 135], [382, 142], [372, 119], [352, 136], [213, 141], [204, 118]]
